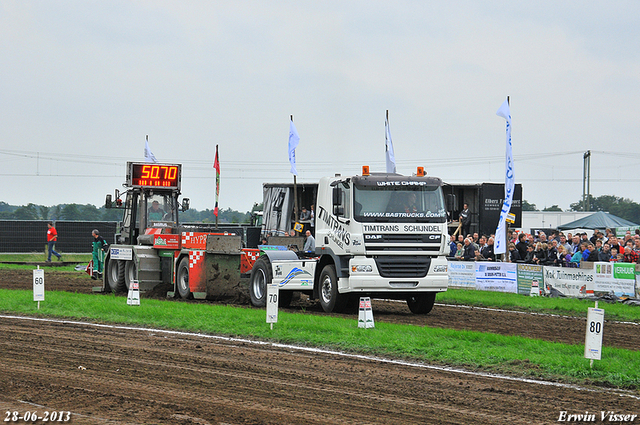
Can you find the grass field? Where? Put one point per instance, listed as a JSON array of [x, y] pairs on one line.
[[475, 350], [564, 306], [39, 257]]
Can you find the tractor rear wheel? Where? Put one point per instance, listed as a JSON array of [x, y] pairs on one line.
[[130, 273], [182, 279], [115, 275]]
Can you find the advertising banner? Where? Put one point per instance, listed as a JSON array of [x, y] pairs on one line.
[[121, 253], [499, 277], [614, 278], [621, 231], [462, 274], [527, 273], [166, 241], [569, 282]]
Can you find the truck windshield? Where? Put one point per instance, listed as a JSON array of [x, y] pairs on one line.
[[399, 204]]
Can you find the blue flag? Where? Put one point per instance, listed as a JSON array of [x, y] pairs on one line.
[[509, 183], [294, 139]]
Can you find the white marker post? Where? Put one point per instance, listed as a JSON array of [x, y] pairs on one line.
[[535, 288], [38, 285], [272, 304], [593, 339], [133, 296], [365, 314]]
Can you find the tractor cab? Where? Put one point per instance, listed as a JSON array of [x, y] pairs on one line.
[[151, 202]]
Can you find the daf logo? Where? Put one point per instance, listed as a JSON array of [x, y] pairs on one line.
[[372, 237]]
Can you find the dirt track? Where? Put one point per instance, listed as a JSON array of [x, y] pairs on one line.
[[141, 376]]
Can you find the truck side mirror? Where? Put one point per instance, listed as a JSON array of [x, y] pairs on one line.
[[337, 196], [338, 209], [107, 202], [185, 204]]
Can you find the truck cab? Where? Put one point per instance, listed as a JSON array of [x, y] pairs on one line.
[[377, 234]]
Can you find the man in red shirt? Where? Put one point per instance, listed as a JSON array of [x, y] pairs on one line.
[[629, 255], [52, 237]]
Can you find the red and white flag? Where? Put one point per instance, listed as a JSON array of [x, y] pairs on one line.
[[216, 165]]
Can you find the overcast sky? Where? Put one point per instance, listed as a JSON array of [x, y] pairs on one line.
[[82, 83]]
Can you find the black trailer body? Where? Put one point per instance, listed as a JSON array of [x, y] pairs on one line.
[[485, 202]]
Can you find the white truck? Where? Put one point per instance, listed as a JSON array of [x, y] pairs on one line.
[[379, 235]]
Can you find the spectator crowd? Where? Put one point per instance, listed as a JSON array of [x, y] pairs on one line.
[[557, 249]]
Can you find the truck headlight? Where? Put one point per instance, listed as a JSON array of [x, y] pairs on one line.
[[440, 269], [362, 269]]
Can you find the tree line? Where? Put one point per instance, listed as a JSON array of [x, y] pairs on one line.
[[618, 206], [621, 207], [88, 212]]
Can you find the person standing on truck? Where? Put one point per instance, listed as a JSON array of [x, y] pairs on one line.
[[305, 214], [100, 247], [52, 238], [465, 219], [310, 243]]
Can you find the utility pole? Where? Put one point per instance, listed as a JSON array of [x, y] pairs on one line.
[[586, 180], [295, 197]]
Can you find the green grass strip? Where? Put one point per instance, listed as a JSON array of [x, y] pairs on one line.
[[511, 355], [36, 257], [563, 306]]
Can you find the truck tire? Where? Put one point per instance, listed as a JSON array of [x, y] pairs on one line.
[[330, 299], [115, 275], [130, 273], [421, 303], [260, 276], [182, 279]]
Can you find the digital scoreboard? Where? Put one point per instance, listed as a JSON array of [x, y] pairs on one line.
[[150, 175]]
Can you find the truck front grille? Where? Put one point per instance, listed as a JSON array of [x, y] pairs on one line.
[[399, 266]]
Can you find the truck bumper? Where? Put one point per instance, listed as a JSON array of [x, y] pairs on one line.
[[364, 277]]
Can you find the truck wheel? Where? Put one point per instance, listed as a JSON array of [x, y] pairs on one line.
[[115, 275], [260, 276], [330, 299], [183, 279], [421, 303], [130, 273]]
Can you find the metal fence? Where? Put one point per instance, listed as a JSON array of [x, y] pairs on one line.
[[73, 236]]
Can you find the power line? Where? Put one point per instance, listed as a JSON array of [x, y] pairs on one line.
[[239, 169]]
